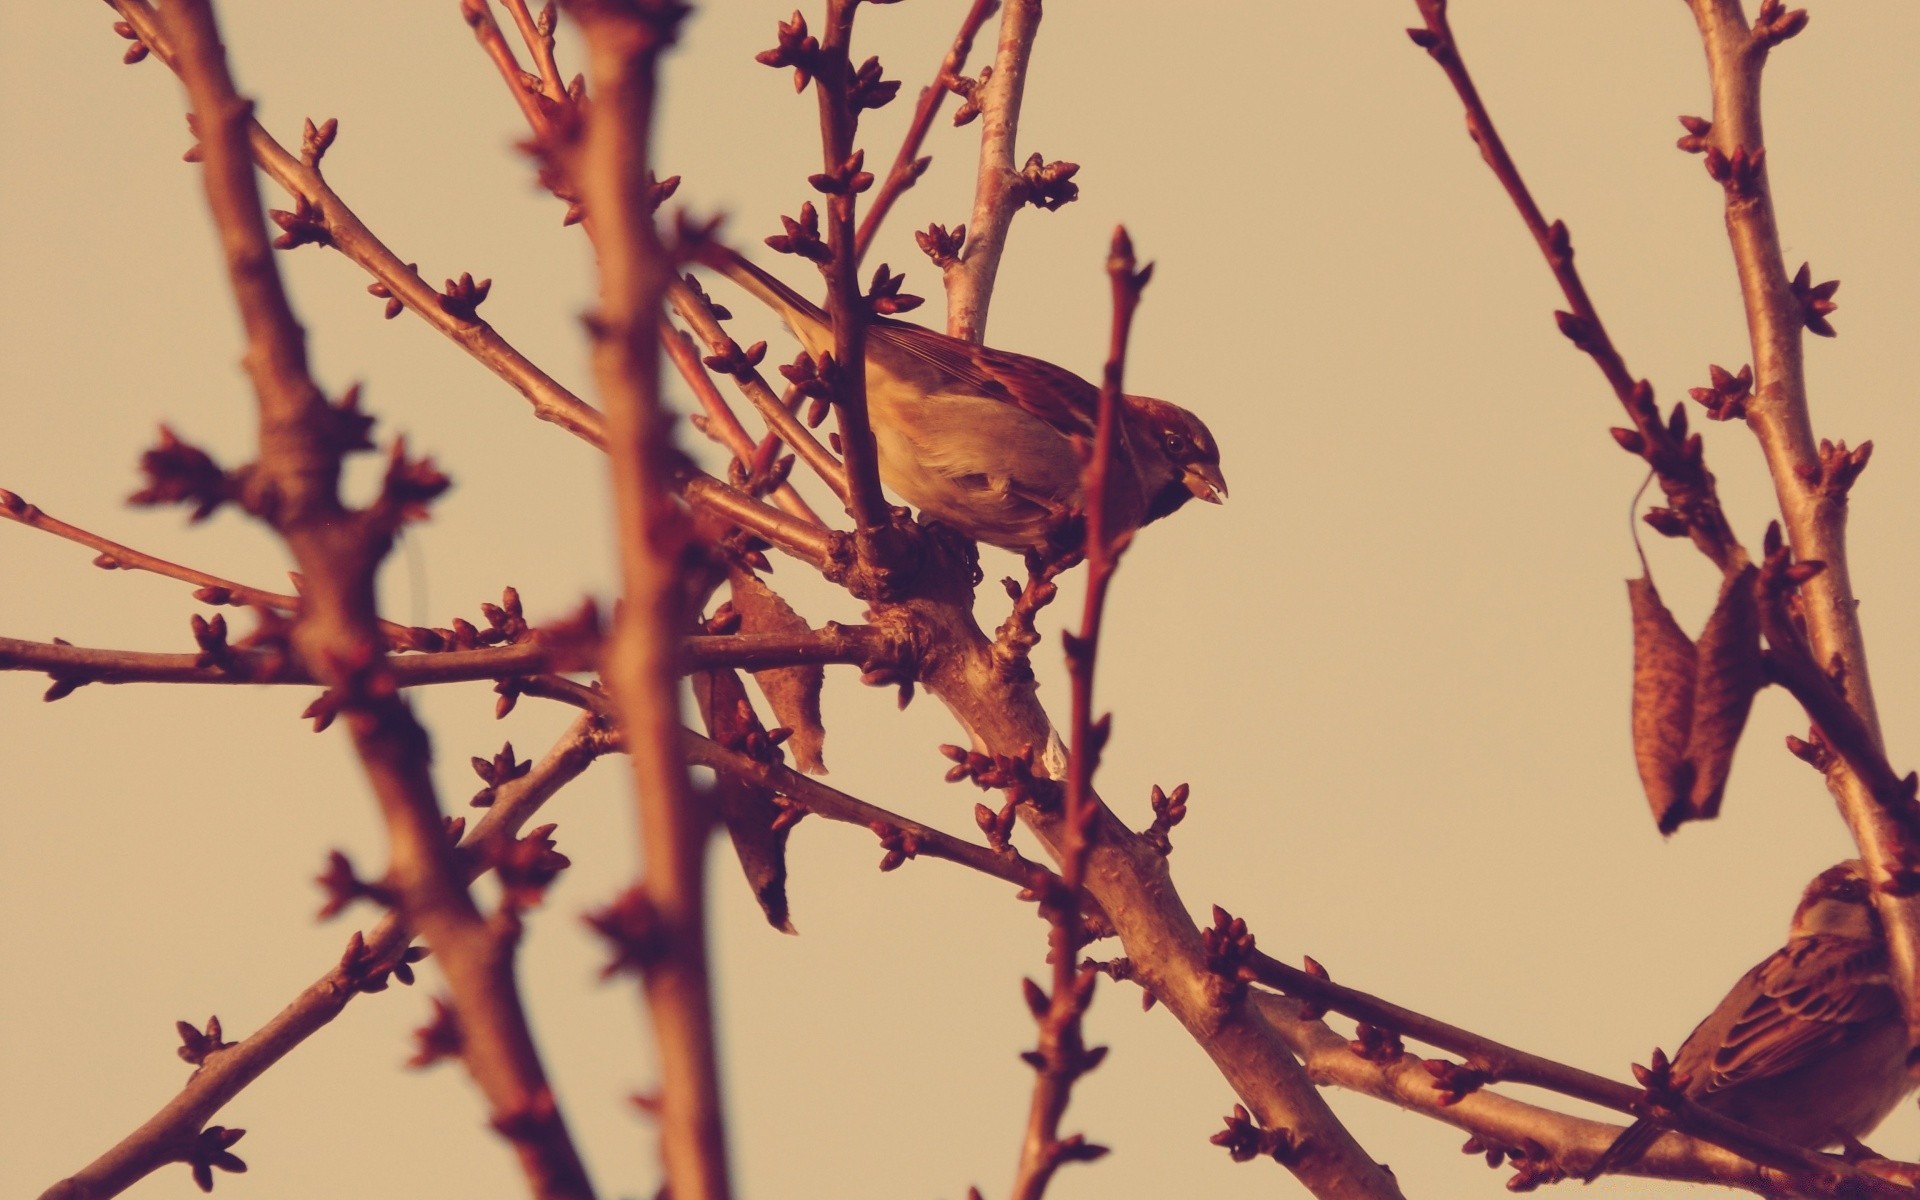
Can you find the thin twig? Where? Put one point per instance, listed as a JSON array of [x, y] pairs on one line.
[[834, 805], [398, 279], [721, 424], [1062, 1056], [1543, 1145], [908, 166], [624, 42], [998, 189], [1675, 457], [846, 304]]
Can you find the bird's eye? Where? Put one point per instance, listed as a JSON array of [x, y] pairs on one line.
[[1176, 445]]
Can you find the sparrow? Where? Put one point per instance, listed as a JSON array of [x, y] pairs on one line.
[[1810, 1045], [991, 442]]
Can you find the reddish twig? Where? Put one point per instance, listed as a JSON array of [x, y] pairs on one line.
[[780, 420], [817, 798], [1062, 1056], [908, 166], [842, 180], [394, 279], [1489, 1061], [999, 190], [659, 927], [722, 425], [537, 33], [366, 967], [1666, 446]]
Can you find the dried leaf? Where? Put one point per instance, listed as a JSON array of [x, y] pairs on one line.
[[793, 692], [1664, 669], [1728, 675], [747, 811]]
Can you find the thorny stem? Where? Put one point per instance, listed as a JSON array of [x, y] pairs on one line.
[[1814, 516], [227, 1072], [338, 632], [1683, 476], [998, 188], [908, 166], [624, 42]]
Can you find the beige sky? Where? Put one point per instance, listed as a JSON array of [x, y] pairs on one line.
[[1393, 667]]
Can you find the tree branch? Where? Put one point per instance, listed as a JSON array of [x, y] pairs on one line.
[[998, 189], [293, 487], [664, 914], [1813, 509], [365, 967]]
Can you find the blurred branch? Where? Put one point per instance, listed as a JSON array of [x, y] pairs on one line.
[[366, 967], [659, 926], [999, 190], [1811, 487], [293, 487]]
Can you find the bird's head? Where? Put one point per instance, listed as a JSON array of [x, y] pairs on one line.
[[1177, 449], [1837, 904]]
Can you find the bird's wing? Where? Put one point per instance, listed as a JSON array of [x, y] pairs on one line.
[[1055, 395], [1803, 1003]]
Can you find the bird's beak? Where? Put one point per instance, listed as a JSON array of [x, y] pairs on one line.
[[1205, 481]]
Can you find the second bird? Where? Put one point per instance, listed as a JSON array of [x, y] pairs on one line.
[[991, 442]]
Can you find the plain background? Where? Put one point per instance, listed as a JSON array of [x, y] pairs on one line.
[[1394, 667]]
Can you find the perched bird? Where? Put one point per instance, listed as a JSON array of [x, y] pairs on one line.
[[989, 441], [1810, 1045]]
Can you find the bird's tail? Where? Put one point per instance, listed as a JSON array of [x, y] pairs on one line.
[[1626, 1149], [801, 314]]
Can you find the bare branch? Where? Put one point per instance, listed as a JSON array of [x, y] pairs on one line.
[[999, 190], [1815, 514], [908, 166]]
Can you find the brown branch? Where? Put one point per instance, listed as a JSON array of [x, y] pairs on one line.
[[1062, 1056], [832, 643], [779, 418], [398, 279], [908, 166], [999, 190], [834, 805], [1544, 1145], [807, 542], [293, 487], [846, 304], [83, 665], [1814, 513], [1675, 457], [722, 425], [538, 35], [479, 17], [164, 1137], [624, 41]]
